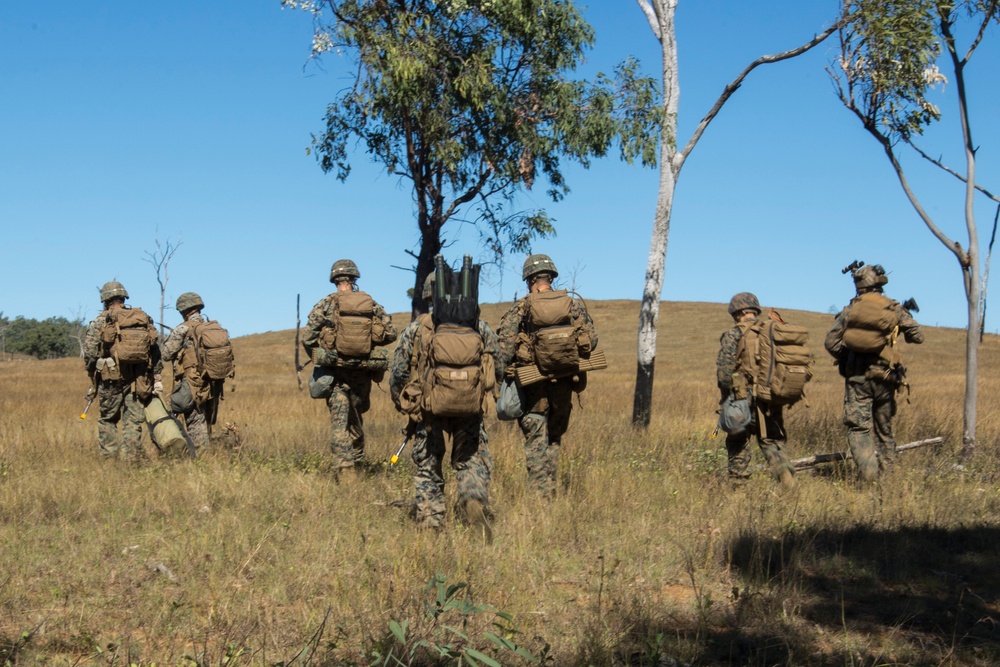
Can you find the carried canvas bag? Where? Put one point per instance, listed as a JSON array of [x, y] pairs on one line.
[[557, 341], [510, 402], [776, 356], [734, 414], [869, 321], [128, 336]]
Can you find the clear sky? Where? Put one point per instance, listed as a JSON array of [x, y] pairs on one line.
[[121, 122]]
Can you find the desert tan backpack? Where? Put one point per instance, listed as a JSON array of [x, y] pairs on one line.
[[775, 355], [869, 321], [557, 341], [127, 336]]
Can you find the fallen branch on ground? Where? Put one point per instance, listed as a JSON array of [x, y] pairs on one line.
[[810, 461]]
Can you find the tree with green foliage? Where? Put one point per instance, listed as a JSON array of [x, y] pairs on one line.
[[660, 16], [52, 338], [891, 60], [471, 101]]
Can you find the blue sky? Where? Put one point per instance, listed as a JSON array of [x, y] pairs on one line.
[[123, 122]]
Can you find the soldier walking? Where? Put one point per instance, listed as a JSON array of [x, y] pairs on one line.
[[864, 341], [203, 358], [735, 373], [523, 341], [343, 330], [122, 358], [470, 457]]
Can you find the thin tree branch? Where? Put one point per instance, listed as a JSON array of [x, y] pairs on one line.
[[987, 19], [651, 16], [949, 170], [738, 81]]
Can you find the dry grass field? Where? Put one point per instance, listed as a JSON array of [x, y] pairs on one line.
[[252, 555]]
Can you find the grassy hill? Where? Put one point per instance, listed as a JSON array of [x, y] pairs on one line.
[[253, 555]]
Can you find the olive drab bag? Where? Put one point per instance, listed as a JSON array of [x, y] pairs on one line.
[[869, 321], [127, 335], [776, 357], [355, 330], [558, 343]]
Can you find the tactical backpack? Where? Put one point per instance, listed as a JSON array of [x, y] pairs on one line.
[[127, 336], [557, 342], [869, 321], [213, 350], [450, 370], [354, 330], [775, 355]]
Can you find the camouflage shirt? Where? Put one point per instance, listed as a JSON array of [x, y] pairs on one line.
[[93, 349], [178, 339], [728, 359], [323, 315], [513, 322], [399, 372]]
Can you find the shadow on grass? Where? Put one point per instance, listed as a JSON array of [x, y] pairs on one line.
[[860, 597], [924, 595]]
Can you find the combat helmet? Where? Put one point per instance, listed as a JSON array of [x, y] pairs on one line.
[[744, 301], [344, 267], [538, 264], [868, 278], [427, 293], [189, 300], [112, 289]]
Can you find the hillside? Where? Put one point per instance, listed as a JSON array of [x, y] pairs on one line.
[[254, 555]]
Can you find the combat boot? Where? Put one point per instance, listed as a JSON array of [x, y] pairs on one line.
[[475, 517]]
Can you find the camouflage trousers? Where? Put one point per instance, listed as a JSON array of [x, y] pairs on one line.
[[119, 404], [196, 425], [470, 459], [348, 402], [869, 406], [771, 441], [543, 427]]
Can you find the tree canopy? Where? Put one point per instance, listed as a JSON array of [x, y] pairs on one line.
[[473, 102]]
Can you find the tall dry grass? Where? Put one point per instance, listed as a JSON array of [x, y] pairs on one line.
[[253, 555]]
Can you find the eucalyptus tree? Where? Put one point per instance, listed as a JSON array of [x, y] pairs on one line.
[[660, 15], [472, 101], [894, 54]]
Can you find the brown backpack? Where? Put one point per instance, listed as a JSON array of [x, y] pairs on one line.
[[776, 357], [127, 336], [451, 370], [354, 329], [869, 321], [557, 341], [213, 350]]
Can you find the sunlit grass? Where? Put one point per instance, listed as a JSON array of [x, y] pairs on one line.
[[648, 552]]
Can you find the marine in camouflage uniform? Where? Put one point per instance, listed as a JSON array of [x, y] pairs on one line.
[[182, 401], [548, 404], [122, 393], [350, 397], [744, 308], [470, 456], [870, 383]]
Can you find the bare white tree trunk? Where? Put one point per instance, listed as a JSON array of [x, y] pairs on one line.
[[660, 15], [661, 19]]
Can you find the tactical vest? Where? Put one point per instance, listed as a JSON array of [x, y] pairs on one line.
[[554, 340], [773, 362]]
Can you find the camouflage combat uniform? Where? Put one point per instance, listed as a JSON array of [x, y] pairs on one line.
[[470, 456], [772, 437], [351, 395], [870, 386], [195, 421], [548, 404], [120, 400]]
